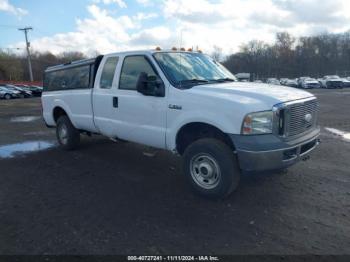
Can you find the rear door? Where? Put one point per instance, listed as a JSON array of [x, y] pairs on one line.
[[104, 99]]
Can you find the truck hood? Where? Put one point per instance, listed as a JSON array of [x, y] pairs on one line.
[[249, 93]]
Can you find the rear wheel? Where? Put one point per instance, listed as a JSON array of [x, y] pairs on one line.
[[7, 96], [211, 168], [67, 135]]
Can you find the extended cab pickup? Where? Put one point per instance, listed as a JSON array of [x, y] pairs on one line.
[[187, 103]]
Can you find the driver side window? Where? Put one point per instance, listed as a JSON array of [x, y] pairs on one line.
[[108, 71], [132, 68]]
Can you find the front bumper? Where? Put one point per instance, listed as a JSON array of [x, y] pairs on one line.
[[334, 84], [269, 152]]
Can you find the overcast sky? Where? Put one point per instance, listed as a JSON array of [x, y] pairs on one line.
[[115, 25]]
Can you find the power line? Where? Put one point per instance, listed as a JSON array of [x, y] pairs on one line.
[[25, 30]]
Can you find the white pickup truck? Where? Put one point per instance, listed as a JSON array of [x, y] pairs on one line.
[[187, 103]]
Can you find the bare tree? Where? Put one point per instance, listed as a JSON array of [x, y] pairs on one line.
[[217, 53], [291, 57]]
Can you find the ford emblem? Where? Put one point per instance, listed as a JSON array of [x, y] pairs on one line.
[[308, 118]]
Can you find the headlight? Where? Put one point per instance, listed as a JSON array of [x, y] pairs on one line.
[[258, 123]]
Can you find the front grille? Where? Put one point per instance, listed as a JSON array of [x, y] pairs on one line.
[[301, 117]]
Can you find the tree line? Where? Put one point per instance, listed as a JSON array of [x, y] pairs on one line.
[[290, 57], [15, 67]]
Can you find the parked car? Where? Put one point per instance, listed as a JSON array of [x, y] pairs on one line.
[[21, 86], [346, 82], [36, 90], [219, 126], [23, 93], [273, 81], [8, 94], [291, 83], [301, 79], [283, 81], [309, 83], [331, 81]]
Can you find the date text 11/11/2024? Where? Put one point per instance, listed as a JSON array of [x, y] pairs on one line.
[[173, 258]]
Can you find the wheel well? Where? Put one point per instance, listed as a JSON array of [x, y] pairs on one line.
[[195, 131], [58, 112]]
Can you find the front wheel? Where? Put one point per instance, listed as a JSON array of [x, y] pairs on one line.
[[211, 168], [7, 96], [67, 135]]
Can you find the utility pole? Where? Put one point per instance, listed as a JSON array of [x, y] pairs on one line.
[[25, 30]]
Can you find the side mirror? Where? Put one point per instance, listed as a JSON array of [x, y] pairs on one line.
[[150, 85]]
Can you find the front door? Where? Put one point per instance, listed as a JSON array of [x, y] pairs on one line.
[[140, 118]]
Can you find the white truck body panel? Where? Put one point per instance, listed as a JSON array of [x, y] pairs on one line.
[[224, 105]]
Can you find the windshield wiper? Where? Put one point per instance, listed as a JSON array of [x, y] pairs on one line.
[[223, 80], [193, 81]]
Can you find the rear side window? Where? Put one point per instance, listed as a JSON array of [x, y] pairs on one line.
[[108, 72], [72, 78], [132, 68]]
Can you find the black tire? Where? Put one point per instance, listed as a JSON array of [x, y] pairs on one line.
[[7, 96], [213, 153], [71, 139]]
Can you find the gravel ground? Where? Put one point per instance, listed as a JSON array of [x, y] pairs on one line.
[[123, 198]]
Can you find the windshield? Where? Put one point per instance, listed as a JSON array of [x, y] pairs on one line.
[[188, 69]]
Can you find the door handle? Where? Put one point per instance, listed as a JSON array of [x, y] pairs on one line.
[[115, 102]]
